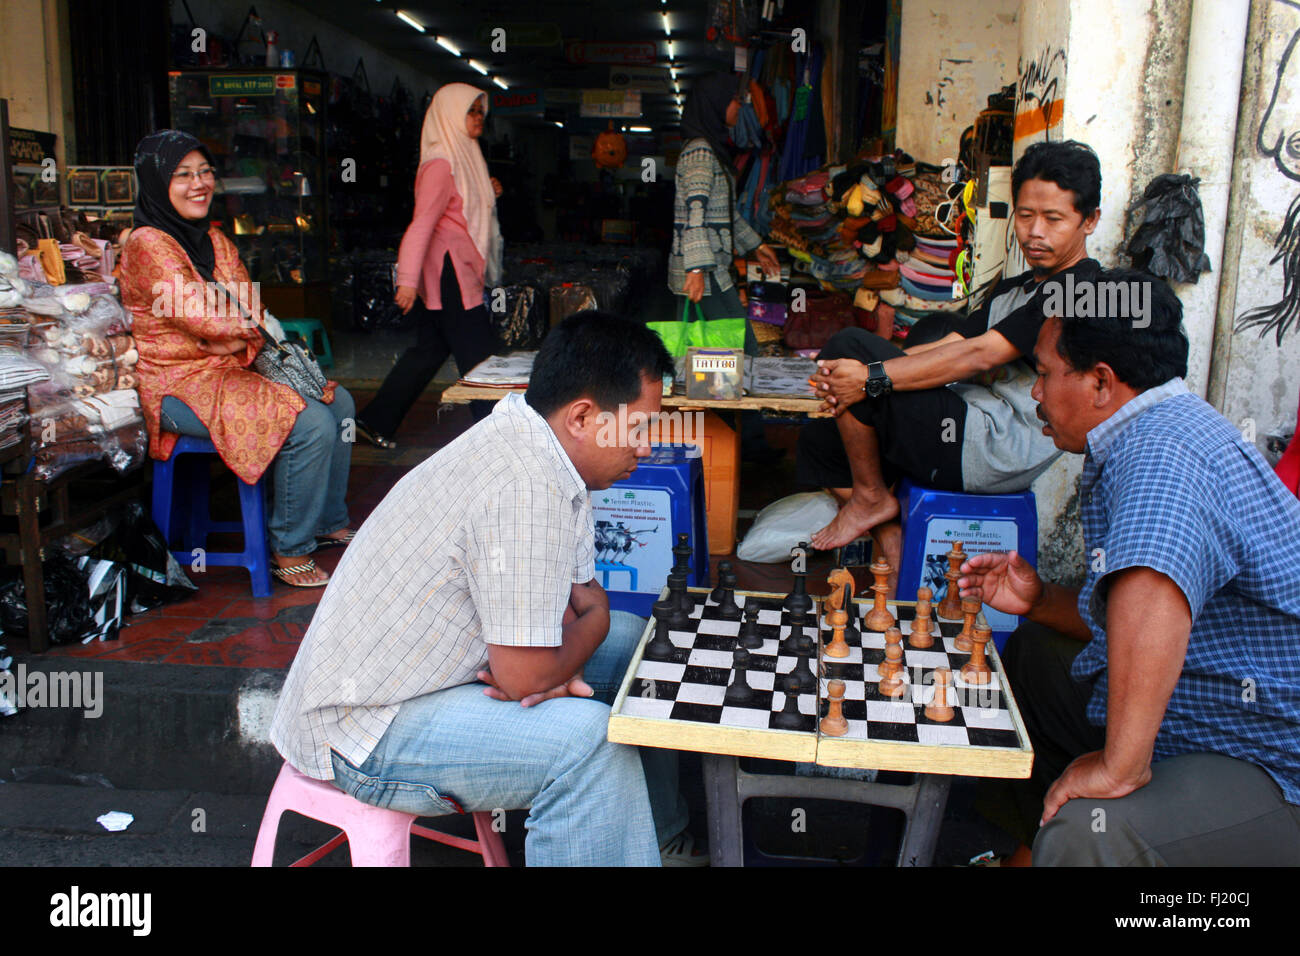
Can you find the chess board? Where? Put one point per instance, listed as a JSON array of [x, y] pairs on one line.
[[679, 703]]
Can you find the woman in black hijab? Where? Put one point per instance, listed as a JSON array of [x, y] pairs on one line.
[[181, 277]]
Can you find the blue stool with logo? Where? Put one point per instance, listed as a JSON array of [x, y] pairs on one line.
[[933, 520], [637, 523], [311, 333]]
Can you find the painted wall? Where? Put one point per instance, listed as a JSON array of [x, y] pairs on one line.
[[1254, 382], [34, 70], [952, 57]]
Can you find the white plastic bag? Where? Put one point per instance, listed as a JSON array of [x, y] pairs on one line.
[[784, 523]]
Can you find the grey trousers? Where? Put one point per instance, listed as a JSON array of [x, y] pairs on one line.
[[1202, 809]]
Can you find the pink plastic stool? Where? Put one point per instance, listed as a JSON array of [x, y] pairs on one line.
[[378, 837]]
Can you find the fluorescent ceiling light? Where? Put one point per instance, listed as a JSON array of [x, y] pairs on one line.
[[558, 123], [407, 18], [668, 30], [500, 82], [478, 66], [638, 129], [448, 46], [671, 55]]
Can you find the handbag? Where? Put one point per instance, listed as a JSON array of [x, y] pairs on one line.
[[824, 314], [702, 333], [284, 363]]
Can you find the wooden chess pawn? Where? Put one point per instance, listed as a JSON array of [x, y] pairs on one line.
[[950, 607], [834, 724], [977, 670], [970, 609], [922, 625], [838, 647], [893, 684], [940, 709], [893, 638], [879, 618]]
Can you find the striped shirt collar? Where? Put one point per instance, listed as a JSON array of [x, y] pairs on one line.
[[524, 417], [1102, 437]]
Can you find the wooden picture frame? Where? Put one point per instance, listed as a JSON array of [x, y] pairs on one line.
[[119, 187], [83, 187]]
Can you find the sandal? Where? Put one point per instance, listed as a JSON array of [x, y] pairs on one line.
[[284, 574], [325, 541], [372, 436]]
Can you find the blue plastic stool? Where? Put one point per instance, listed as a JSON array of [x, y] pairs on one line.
[[311, 332], [664, 497], [933, 520], [185, 519]]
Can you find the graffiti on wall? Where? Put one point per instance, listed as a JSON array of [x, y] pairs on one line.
[[1040, 94], [1279, 139]]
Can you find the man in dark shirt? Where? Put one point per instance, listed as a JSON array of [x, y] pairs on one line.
[[954, 413]]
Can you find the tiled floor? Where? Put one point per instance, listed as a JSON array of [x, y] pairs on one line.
[[222, 624]]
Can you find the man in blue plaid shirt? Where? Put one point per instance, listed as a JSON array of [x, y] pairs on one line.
[[1171, 734]]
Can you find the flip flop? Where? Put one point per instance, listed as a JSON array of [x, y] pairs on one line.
[[285, 573], [325, 541]]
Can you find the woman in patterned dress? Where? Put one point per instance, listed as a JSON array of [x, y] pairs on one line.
[[178, 276]]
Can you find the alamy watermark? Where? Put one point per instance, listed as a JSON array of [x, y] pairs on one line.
[[1085, 299], [198, 300], [82, 690], [624, 429]]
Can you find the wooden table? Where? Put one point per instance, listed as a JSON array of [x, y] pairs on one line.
[[460, 393]]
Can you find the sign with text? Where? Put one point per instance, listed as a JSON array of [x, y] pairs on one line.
[[520, 34], [579, 51], [612, 104], [30, 147], [259, 85], [653, 79], [515, 102]]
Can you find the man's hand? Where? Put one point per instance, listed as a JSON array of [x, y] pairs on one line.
[[838, 383], [693, 288], [1004, 581], [405, 298], [575, 686], [1088, 776], [768, 262], [222, 346]]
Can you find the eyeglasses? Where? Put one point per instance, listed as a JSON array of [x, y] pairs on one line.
[[188, 176], [476, 111]]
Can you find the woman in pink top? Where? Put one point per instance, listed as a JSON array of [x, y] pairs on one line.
[[451, 250]]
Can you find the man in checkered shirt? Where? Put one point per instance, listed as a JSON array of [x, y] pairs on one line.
[[1163, 698], [449, 664]]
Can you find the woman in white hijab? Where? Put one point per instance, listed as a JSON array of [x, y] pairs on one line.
[[450, 252]]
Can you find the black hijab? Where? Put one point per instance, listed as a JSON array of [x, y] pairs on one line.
[[156, 158], [705, 114]]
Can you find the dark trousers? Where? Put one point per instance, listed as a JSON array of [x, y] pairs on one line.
[[1198, 809], [452, 330]]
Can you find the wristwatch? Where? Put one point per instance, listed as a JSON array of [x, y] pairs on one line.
[[878, 382]]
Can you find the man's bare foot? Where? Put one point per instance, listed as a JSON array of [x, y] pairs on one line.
[[887, 542], [855, 519], [313, 577]]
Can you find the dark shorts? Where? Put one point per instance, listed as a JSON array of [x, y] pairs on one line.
[[910, 426]]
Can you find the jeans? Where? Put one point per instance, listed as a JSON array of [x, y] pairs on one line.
[[302, 505], [591, 802]]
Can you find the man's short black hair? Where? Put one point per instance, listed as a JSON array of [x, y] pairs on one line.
[[596, 355], [1145, 350], [1071, 165]]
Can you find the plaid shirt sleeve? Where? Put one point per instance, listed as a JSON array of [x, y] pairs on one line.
[[1160, 518], [584, 563], [519, 563]]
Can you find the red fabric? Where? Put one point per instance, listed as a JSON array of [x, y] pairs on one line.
[[437, 228], [1288, 468]]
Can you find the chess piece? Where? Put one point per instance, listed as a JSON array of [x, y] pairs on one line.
[[841, 599], [838, 647], [660, 648], [739, 692], [950, 607], [749, 636], [724, 568], [805, 649], [893, 683], [922, 625], [679, 615], [798, 599], [977, 670], [893, 636], [728, 609], [834, 724], [940, 707], [682, 552], [879, 619], [790, 718], [970, 609], [795, 637]]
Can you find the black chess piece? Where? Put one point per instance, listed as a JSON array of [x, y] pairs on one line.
[[798, 621], [798, 599], [739, 692], [749, 636], [679, 615], [724, 568], [728, 609], [790, 718], [682, 552], [660, 648], [804, 651]]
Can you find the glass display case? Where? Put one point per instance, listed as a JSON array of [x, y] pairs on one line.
[[266, 132]]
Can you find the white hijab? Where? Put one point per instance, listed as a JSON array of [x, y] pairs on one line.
[[444, 137]]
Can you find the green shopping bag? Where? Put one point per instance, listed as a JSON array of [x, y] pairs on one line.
[[701, 332]]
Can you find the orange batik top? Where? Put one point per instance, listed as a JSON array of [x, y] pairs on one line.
[[249, 417]]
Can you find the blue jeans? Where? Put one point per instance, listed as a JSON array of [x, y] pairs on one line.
[[592, 802], [302, 505]]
